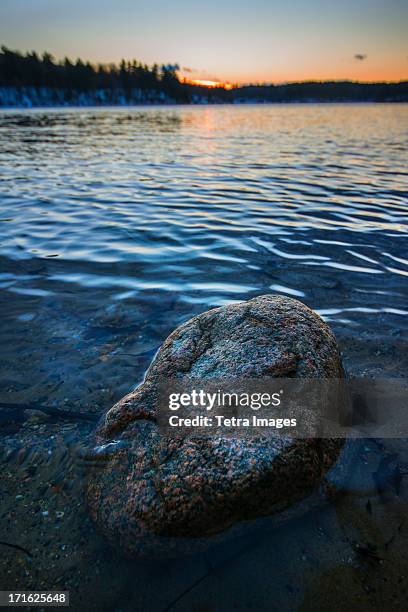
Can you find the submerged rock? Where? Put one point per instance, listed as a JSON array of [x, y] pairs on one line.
[[157, 496]]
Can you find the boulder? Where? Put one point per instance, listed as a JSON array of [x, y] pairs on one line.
[[159, 496]]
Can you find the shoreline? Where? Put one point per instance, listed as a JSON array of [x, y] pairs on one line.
[[49, 541], [27, 95], [133, 105]]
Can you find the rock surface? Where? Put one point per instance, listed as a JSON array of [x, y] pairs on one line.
[[154, 496]]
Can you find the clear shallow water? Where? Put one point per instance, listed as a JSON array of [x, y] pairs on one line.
[[118, 224]]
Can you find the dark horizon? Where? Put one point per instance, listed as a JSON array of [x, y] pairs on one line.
[[108, 66], [71, 82]]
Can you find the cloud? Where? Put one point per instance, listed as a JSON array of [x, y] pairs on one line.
[[360, 57], [199, 73]]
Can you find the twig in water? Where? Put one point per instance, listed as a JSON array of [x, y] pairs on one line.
[[17, 547], [211, 568], [186, 591], [392, 538], [54, 412]]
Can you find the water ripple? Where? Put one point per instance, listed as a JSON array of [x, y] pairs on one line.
[[204, 206]]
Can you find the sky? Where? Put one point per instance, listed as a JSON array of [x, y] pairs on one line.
[[233, 41]]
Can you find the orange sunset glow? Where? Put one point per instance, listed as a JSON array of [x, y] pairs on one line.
[[206, 83], [259, 42]]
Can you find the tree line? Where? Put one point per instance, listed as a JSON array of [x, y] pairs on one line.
[[31, 70]]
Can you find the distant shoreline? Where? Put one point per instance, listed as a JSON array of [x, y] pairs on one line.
[[28, 80], [295, 93], [141, 105]]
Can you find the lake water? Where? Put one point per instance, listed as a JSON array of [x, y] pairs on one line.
[[116, 225]]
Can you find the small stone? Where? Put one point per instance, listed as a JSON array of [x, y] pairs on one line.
[[35, 416]]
